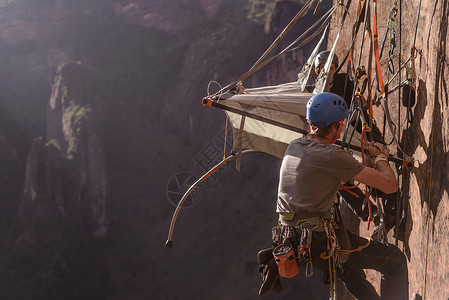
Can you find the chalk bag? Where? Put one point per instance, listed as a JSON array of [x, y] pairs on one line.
[[286, 260]]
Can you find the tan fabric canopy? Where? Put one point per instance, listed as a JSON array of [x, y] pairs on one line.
[[283, 103]]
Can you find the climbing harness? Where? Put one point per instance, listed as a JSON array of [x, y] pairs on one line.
[[297, 235]]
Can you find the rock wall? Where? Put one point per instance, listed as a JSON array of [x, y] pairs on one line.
[[67, 172], [426, 185]]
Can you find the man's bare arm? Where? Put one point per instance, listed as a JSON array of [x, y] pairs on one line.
[[383, 179]]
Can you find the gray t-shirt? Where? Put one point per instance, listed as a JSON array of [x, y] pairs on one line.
[[310, 175]]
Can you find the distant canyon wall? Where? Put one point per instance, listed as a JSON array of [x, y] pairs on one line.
[[70, 68]]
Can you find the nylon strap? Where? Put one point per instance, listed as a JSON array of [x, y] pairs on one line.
[[284, 32], [368, 33], [258, 64], [307, 69], [380, 81], [324, 78], [239, 143]]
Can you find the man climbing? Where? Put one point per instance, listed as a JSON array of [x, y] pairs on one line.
[[340, 84], [311, 172], [343, 86]]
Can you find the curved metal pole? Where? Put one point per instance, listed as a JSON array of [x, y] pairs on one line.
[[169, 243]]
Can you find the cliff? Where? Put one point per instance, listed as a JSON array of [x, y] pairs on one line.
[[100, 114], [425, 187], [69, 166]]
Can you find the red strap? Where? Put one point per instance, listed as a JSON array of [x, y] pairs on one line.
[[380, 81], [335, 137], [348, 188]]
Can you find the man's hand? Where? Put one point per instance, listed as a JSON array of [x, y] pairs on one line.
[[375, 148], [383, 149], [384, 178], [373, 151]]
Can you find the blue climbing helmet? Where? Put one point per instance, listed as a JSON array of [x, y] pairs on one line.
[[324, 109]]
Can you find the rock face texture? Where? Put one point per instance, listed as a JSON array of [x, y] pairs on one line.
[[425, 138]]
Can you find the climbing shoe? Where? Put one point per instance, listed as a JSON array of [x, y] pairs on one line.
[[270, 277]]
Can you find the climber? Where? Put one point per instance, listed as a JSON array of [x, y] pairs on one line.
[[310, 174], [341, 84]]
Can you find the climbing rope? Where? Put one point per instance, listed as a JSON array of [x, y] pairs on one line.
[[330, 256]]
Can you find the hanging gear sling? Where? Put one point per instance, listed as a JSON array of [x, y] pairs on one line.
[[292, 245]]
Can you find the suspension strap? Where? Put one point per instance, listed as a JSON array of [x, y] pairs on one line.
[[359, 89], [369, 75], [284, 32], [325, 77], [307, 69], [239, 146], [260, 63], [348, 189], [366, 128], [380, 81], [390, 25]]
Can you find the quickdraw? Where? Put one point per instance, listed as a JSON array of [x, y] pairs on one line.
[[305, 251]]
